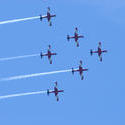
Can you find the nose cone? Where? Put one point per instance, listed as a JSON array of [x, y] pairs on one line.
[[100, 43]]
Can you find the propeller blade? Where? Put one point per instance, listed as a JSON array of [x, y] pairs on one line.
[[56, 83], [49, 47], [57, 98], [99, 44], [76, 29], [82, 77]]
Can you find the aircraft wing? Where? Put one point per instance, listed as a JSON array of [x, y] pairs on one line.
[[53, 15], [72, 37], [81, 36], [53, 53], [95, 51], [45, 16], [85, 70], [104, 51], [60, 90], [52, 92], [77, 70], [44, 54]]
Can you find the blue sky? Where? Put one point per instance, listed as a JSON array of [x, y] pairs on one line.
[[99, 98]]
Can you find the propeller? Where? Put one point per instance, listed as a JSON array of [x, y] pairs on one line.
[[50, 24], [77, 44], [56, 83], [57, 98], [49, 46], [101, 59], [76, 29], [99, 44], [48, 8], [80, 62], [82, 77], [50, 61]]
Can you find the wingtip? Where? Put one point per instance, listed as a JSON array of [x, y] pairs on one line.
[[48, 92], [91, 52]]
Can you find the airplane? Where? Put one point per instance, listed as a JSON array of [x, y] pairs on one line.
[[80, 70], [76, 37], [99, 51], [48, 16], [49, 54], [55, 91]]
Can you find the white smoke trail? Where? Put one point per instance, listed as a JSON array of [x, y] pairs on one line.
[[33, 75], [18, 57], [18, 20], [22, 94]]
